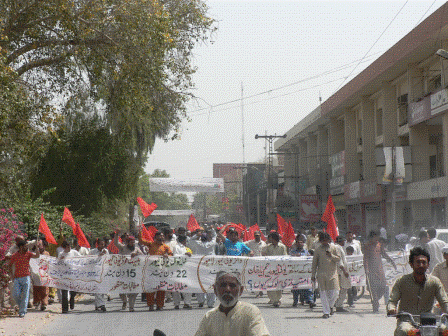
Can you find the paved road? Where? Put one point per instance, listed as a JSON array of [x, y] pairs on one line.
[[283, 321]]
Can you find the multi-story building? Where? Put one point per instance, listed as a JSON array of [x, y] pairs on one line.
[[342, 148]]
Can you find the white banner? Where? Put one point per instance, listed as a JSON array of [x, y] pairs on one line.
[[205, 185], [123, 274]]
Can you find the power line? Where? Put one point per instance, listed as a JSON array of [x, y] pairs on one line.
[[372, 46], [262, 100], [342, 67]]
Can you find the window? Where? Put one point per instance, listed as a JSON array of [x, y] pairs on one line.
[[402, 111], [434, 82]]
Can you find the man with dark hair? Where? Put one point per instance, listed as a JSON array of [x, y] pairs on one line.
[[67, 252], [434, 246], [416, 291], [128, 248], [233, 246], [326, 261], [21, 275], [373, 265], [160, 248], [274, 248], [232, 317]]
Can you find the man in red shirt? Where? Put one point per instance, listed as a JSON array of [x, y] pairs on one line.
[[21, 276]]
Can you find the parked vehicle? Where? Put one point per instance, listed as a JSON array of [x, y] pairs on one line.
[[158, 225]]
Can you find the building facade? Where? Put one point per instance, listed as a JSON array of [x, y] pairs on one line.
[[379, 145]]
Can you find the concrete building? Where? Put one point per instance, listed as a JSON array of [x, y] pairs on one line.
[[343, 147]]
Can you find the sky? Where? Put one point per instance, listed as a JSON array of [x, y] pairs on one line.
[[268, 63]]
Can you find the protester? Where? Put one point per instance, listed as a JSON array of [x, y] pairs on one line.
[[441, 270], [434, 246], [312, 240], [353, 291], [233, 246], [21, 275], [351, 241], [67, 253], [344, 277], [157, 247], [100, 250], [127, 249], [306, 294], [40, 293], [81, 249], [326, 261], [256, 245], [204, 244], [232, 317], [274, 248], [182, 250], [415, 292], [373, 265], [9, 272]]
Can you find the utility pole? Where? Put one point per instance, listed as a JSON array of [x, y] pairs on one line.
[[270, 139]]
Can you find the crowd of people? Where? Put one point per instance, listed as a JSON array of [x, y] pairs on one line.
[[330, 271]]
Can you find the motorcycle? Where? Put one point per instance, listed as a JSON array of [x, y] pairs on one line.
[[429, 324]]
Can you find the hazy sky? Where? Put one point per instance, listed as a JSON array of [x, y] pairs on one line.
[[286, 55]]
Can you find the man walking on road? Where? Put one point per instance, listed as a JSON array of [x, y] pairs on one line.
[[373, 265], [21, 276], [232, 317], [326, 262], [275, 248]]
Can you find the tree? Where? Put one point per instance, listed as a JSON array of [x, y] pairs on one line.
[[130, 57], [87, 168]]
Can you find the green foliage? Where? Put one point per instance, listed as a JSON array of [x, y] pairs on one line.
[[87, 168], [131, 56]]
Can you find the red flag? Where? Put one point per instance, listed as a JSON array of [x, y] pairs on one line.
[[112, 248], [192, 224], [148, 233], [82, 240], [67, 218], [238, 227], [146, 208], [289, 235], [328, 217], [282, 226], [254, 228], [45, 230]]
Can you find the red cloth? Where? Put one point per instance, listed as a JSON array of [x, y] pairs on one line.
[[282, 226], [148, 233], [240, 228], [112, 248], [254, 228], [192, 224], [146, 208], [328, 217], [289, 236], [21, 262], [45, 230], [82, 240], [67, 218]]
